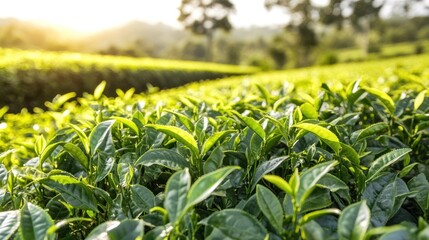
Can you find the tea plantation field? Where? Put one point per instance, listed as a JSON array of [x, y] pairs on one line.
[[29, 78], [336, 152]]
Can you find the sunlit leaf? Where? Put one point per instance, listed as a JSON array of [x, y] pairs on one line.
[[324, 134], [179, 134]]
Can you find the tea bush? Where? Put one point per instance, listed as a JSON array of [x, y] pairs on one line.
[[29, 78], [321, 153]]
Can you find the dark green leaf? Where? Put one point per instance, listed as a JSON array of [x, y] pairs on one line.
[[163, 157], [142, 197], [35, 223], [310, 178], [369, 131], [270, 207], [350, 153], [104, 167], [100, 138], [175, 194], [265, 168], [236, 224], [354, 221], [380, 195], [74, 192], [205, 185], [384, 161], [129, 229], [420, 185]]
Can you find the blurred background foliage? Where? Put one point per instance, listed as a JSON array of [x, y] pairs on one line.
[[340, 31]]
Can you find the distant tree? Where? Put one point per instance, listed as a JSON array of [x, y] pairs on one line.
[[365, 15], [194, 50], [203, 17], [303, 17], [277, 51]]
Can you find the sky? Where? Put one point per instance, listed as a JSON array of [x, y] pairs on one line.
[[94, 15]]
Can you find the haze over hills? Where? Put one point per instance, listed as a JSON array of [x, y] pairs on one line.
[[158, 37]]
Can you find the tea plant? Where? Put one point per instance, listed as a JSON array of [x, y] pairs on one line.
[[252, 161], [45, 74]]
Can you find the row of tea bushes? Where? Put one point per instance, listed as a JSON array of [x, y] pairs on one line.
[[29, 78]]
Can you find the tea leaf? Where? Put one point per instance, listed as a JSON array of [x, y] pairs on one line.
[[99, 90], [213, 139], [205, 185], [74, 192], [354, 221], [127, 123], [280, 183], [179, 134], [127, 229], [100, 232], [384, 98], [369, 131], [265, 168], [420, 185], [142, 197], [324, 134], [82, 136], [310, 177], [309, 111], [9, 223], [77, 154], [163, 157], [384, 161], [236, 224], [315, 214], [100, 138], [271, 207], [419, 99], [350, 153], [34, 223], [184, 120], [175, 194], [252, 124], [380, 195]]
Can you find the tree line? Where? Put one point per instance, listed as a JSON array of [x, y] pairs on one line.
[[204, 17]]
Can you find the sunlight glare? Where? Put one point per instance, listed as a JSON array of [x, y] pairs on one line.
[[94, 15]]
